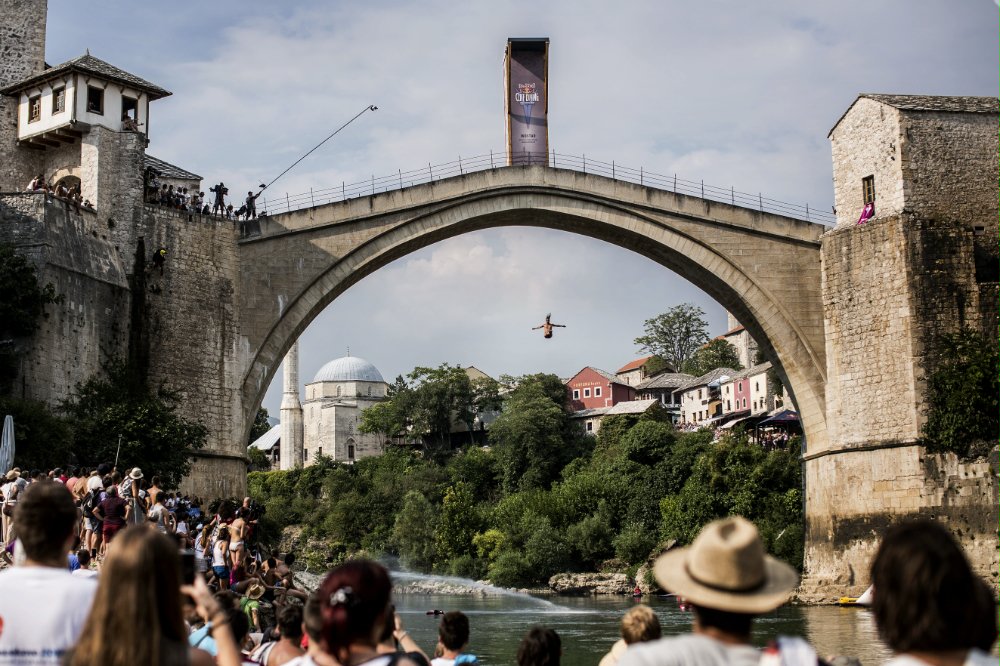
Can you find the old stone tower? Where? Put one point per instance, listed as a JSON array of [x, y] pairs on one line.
[[924, 265], [84, 122]]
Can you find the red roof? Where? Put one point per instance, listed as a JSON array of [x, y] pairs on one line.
[[732, 332], [637, 363]]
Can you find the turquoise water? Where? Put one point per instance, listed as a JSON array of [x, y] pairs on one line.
[[589, 625]]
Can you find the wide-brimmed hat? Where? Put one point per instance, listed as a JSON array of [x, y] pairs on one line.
[[726, 569], [12, 475], [136, 473], [255, 590]]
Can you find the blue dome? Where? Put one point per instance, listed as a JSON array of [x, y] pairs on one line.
[[348, 369]]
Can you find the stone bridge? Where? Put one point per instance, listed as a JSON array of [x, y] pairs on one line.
[[764, 268]]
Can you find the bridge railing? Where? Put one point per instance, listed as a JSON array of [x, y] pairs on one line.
[[275, 204]]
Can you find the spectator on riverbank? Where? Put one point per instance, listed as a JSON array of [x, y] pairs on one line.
[[42, 605], [395, 639], [453, 638], [287, 645], [929, 606], [353, 601], [541, 647], [729, 580], [639, 625], [137, 616]]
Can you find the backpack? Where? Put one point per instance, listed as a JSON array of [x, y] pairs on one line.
[[89, 504]]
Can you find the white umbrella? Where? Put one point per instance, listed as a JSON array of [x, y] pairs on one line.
[[7, 445]]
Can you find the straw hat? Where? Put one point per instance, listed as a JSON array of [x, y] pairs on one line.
[[255, 590], [12, 475], [726, 569], [136, 473]]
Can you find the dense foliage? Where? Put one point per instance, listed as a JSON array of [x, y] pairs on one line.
[[716, 354], [541, 499], [962, 394], [109, 411]]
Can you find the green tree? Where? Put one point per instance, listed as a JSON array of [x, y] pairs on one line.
[[260, 426], [458, 524], [962, 395], [529, 438], [153, 436], [442, 397], [22, 304], [383, 420], [716, 354], [43, 439], [414, 530], [257, 460], [676, 334]]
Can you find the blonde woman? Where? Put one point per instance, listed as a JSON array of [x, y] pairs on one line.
[[137, 613]]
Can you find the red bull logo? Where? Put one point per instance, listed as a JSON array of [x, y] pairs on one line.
[[526, 93]]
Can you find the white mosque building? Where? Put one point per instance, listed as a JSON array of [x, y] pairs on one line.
[[326, 422]]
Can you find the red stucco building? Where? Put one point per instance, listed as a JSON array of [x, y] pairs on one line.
[[592, 388]]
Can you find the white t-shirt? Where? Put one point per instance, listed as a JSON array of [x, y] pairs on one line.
[[689, 649], [441, 661], [85, 573], [974, 658], [219, 554], [95, 483], [42, 610]]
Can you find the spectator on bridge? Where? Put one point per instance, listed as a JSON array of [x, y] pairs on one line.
[[728, 580], [220, 190], [929, 606]]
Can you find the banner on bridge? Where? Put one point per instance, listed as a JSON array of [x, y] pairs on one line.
[[526, 82]]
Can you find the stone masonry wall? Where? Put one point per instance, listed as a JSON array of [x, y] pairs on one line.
[[22, 53], [89, 327], [194, 323], [863, 492], [111, 173], [890, 288], [949, 167], [867, 142]]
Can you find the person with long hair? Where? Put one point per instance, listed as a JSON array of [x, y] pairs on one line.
[[929, 606], [137, 616], [354, 606]]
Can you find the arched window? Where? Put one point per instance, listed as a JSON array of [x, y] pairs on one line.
[[350, 450], [338, 390], [369, 389]]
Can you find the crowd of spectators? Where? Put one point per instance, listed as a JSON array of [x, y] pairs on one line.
[[71, 196], [183, 199], [145, 597]]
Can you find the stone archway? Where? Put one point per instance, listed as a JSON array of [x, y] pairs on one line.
[[763, 268]]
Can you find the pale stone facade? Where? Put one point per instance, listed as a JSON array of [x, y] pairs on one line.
[[335, 399]]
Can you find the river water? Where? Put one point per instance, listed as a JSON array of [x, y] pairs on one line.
[[589, 625]]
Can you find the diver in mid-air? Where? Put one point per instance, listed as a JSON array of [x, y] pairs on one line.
[[548, 326]]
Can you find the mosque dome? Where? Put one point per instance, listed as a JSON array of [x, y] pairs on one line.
[[348, 369]]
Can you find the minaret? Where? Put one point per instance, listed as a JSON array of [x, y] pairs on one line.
[[291, 412]]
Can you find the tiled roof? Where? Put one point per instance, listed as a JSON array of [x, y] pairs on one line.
[[938, 103], [88, 64], [587, 413], [738, 329], [168, 170], [750, 372], [666, 380], [607, 375], [941, 103], [632, 407], [708, 378], [634, 365]]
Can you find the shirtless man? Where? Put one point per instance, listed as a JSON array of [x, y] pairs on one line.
[[548, 326], [237, 538]]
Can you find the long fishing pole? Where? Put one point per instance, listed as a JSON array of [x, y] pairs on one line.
[[371, 107]]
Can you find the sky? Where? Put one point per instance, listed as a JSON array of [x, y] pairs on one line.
[[736, 93]]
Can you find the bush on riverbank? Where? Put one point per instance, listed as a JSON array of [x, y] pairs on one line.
[[639, 482]]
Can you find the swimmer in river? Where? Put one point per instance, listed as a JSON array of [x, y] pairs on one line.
[[548, 326], [435, 612]]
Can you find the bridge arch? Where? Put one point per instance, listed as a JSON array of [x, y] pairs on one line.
[[763, 268]]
